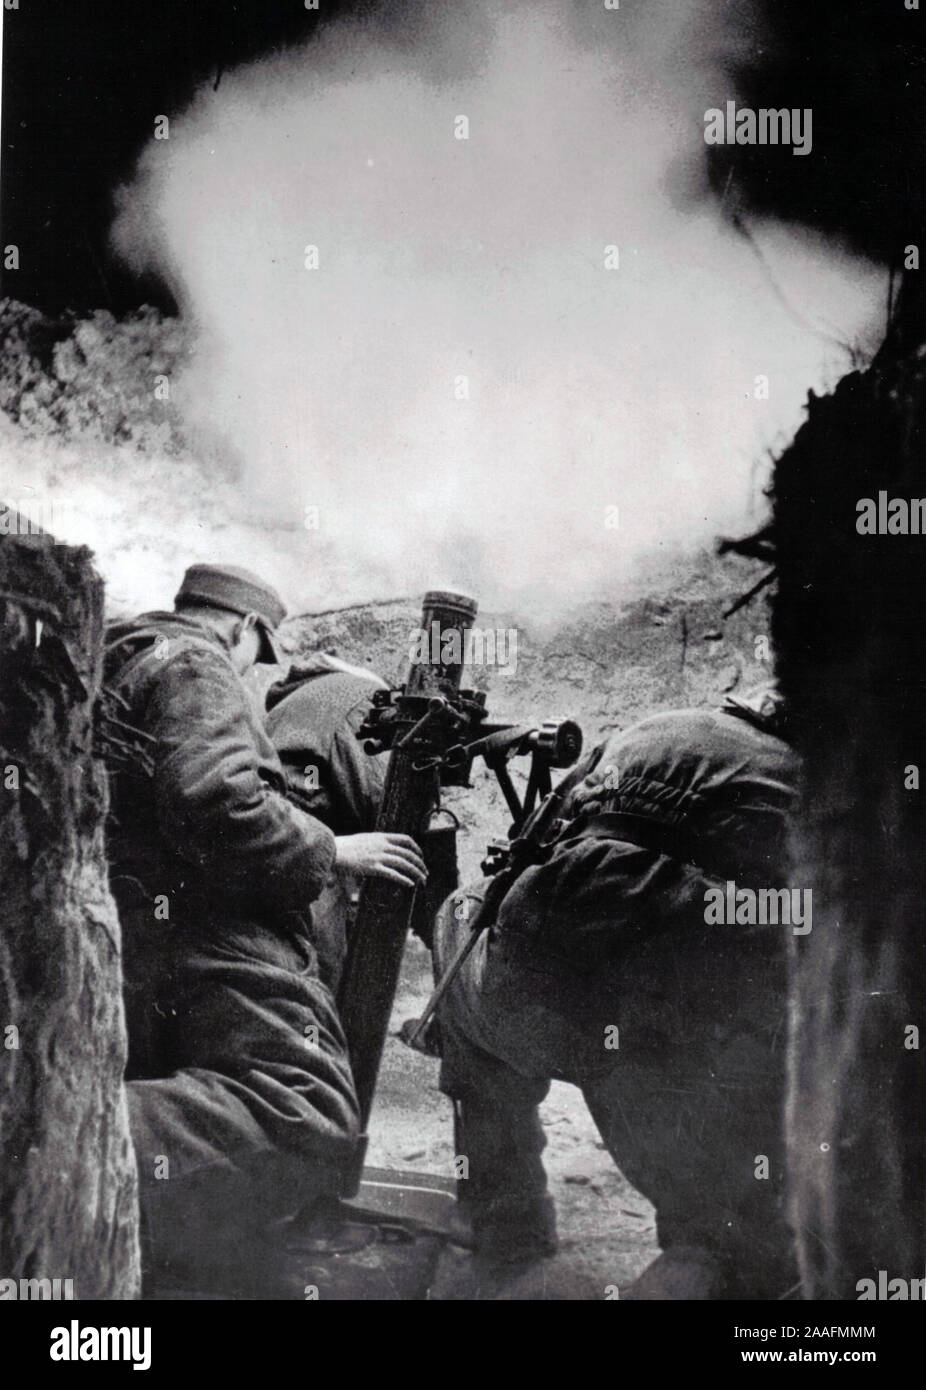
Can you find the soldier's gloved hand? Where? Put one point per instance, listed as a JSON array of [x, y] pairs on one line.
[[380, 854]]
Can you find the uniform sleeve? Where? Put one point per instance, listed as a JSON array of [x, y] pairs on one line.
[[357, 778], [215, 806]]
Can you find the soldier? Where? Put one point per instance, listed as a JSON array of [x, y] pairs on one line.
[[313, 716], [312, 720], [241, 1100], [604, 968]]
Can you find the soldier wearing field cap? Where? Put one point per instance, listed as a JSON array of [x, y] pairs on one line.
[[240, 1095]]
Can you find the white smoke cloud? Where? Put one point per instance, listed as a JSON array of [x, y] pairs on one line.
[[462, 388]]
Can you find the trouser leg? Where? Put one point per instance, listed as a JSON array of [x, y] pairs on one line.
[[333, 913], [697, 1127], [503, 1190], [499, 1134], [255, 1113]]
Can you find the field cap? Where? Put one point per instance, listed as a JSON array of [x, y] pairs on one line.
[[238, 591]]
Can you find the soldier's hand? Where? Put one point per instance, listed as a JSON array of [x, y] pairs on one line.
[[381, 854]]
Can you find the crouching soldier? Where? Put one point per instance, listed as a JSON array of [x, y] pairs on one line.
[[313, 717], [241, 1099], [606, 966]]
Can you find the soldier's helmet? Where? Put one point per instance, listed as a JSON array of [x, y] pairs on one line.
[[763, 705]]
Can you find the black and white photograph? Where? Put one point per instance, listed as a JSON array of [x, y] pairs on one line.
[[463, 669]]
